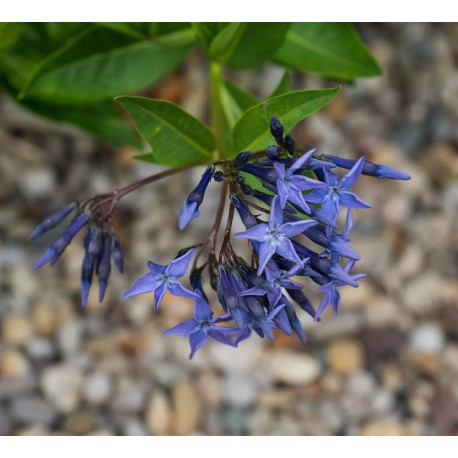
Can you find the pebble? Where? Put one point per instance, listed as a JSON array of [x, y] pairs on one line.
[[159, 414], [43, 319], [130, 396], [32, 409], [186, 407], [37, 182], [234, 421], [69, 337], [240, 390], [97, 388], [5, 423], [345, 356], [292, 368], [42, 350], [13, 364], [427, 338], [16, 330], [79, 423], [383, 427], [61, 385], [132, 426]]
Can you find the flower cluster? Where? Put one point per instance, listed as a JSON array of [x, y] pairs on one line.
[[285, 198]]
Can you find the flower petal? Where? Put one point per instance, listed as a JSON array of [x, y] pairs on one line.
[[184, 329], [351, 200], [159, 295], [258, 232], [177, 289], [188, 212], [202, 310], [146, 284], [353, 174], [266, 251], [301, 161], [178, 267], [197, 340], [276, 213], [297, 227]]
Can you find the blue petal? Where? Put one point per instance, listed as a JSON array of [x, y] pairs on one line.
[[184, 328], [197, 340], [301, 161], [188, 212], [258, 232], [330, 177], [291, 229], [286, 249], [202, 310], [351, 200], [146, 284], [177, 289], [304, 183], [220, 337], [266, 251], [353, 174], [276, 213], [159, 295], [156, 269], [178, 267]]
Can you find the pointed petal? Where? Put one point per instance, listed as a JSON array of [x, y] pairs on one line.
[[352, 175], [351, 200], [282, 321], [258, 232], [296, 197], [177, 289], [178, 267], [282, 193], [301, 161], [157, 269], [220, 337], [187, 213], [266, 251], [159, 295], [146, 284], [297, 227], [335, 300], [348, 225], [286, 249], [197, 340], [330, 208], [304, 183], [330, 177], [276, 213], [280, 171], [202, 310], [184, 329], [255, 291]]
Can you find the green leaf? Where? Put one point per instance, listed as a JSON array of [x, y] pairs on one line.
[[283, 86], [137, 30], [329, 49], [252, 131], [98, 64], [207, 31], [248, 45], [236, 101], [176, 137], [9, 33], [100, 119], [173, 34]]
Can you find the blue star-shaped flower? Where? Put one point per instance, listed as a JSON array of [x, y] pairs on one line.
[[203, 326], [274, 236], [163, 278], [336, 192], [291, 185], [331, 292]]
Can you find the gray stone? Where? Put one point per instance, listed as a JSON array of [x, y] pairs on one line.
[[240, 390], [32, 409], [97, 388], [427, 338]]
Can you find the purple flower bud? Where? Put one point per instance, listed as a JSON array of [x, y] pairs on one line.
[[218, 176], [53, 253], [370, 168], [190, 208], [52, 221], [104, 266], [263, 173], [242, 158], [289, 144], [272, 152], [117, 254], [93, 245], [276, 129], [248, 219]]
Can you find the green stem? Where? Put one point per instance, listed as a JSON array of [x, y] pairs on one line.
[[217, 109]]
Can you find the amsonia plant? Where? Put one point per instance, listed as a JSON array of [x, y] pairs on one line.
[[285, 196]]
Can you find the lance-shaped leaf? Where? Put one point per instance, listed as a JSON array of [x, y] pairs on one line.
[[329, 49], [100, 63], [283, 85], [252, 130], [176, 137], [244, 45]]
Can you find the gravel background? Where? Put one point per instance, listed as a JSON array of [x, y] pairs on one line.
[[387, 365]]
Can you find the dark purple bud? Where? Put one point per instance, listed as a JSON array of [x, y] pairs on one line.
[[242, 158], [190, 207], [289, 144], [104, 266], [273, 152], [302, 300], [263, 173], [52, 254], [117, 254], [248, 219], [276, 129], [195, 279], [240, 180], [268, 198], [52, 221], [370, 168], [247, 189], [92, 244], [218, 176]]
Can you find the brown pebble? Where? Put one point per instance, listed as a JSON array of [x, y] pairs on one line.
[[345, 356], [187, 408]]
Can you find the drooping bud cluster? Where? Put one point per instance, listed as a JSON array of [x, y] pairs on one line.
[[297, 198], [100, 243]]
